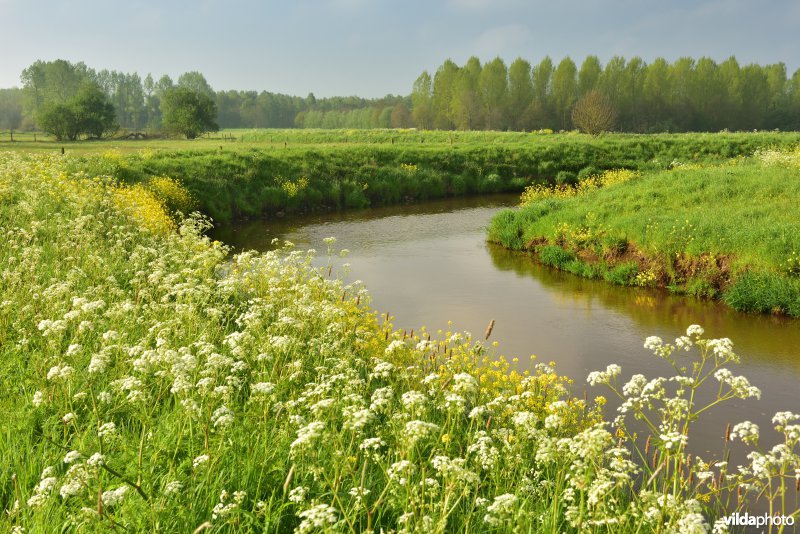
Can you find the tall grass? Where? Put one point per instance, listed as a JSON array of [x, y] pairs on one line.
[[728, 230], [153, 383]]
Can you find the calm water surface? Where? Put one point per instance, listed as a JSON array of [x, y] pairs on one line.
[[429, 264]]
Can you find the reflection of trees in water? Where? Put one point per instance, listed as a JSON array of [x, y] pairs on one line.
[[757, 337]]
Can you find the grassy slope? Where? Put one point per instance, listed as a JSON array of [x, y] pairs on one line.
[[256, 178], [701, 230]]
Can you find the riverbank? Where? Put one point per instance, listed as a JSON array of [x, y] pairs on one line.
[[152, 382], [252, 174], [727, 231]]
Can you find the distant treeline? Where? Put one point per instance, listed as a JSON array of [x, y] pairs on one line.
[[685, 95]]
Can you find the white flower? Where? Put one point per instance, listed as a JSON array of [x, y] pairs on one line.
[[372, 446], [96, 460], [115, 496], [75, 481], [418, 430], [413, 400], [173, 488], [633, 388], [695, 330], [359, 419], [359, 493], [746, 431], [199, 461], [604, 377], [298, 494], [653, 343], [59, 373], [394, 346], [68, 418], [500, 510], [781, 419], [98, 363], [465, 383], [107, 429], [316, 518], [454, 402], [673, 440], [262, 389], [400, 471], [38, 399], [307, 435], [222, 417]]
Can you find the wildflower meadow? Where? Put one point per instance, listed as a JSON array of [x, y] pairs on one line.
[[153, 381]]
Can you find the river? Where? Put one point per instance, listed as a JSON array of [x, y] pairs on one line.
[[427, 264]]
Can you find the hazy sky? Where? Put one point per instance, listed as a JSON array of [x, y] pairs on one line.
[[374, 47]]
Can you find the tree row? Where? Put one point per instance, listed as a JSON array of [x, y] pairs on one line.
[[629, 95]]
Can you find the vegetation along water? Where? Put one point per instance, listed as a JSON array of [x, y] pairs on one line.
[[156, 382], [729, 231]]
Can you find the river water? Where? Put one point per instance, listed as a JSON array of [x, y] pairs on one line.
[[428, 264]]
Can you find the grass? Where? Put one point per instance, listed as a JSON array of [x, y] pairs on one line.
[[260, 173], [728, 231], [154, 383]]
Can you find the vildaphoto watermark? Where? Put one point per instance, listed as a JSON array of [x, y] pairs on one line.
[[764, 520]]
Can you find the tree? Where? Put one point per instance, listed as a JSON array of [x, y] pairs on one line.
[[195, 81], [88, 113], [589, 75], [422, 107], [94, 113], [188, 112], [10, 108], [58, 119], [565, 90], [594, 113], [493, 89], [465, 106], [520, 94]]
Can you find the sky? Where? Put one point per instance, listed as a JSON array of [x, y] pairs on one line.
[[371, 48]]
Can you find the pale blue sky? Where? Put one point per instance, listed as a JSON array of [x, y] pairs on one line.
[[374, 47]]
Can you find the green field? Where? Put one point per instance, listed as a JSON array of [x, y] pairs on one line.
[[259, 173], [154, 383], [730, 231]]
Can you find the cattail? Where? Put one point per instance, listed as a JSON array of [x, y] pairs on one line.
[[691, 478], [358, 300], [411, 335], [489, 330], [647, 446], [655, 458], [386, 336], [288, 480], [330, 269], [728, 433], [797, 482], [488, 422], [404, 335]]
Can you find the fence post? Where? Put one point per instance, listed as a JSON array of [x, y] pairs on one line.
[[11, 132]]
